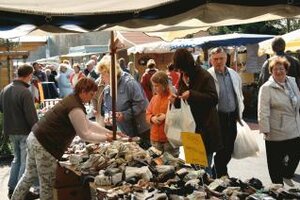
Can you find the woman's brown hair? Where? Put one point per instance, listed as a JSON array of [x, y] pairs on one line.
[[85, 85], [162, 78]]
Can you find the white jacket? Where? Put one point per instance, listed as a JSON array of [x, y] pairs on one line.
[[276, 115], [237, 86]]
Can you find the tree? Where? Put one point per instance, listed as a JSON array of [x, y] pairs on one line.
[[276, 27]]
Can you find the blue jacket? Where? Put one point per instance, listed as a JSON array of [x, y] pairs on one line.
[[64, 84]]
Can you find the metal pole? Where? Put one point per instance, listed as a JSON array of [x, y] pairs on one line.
[[8, 62], [288, 23], [113, 84]]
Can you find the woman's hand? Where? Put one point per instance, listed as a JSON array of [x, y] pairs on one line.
[[120, 134], [266, 134], [107, 121], [172, 98], [119, 116], [158, 119], [185, 95], [109, 137], [154, 119], [161, 117], [95, 112]]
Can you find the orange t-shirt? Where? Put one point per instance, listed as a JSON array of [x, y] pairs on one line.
[[158, 104]]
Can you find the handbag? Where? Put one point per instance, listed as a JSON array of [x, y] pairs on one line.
[[178, 120]]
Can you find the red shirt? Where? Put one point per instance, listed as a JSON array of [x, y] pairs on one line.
[[174, 76]]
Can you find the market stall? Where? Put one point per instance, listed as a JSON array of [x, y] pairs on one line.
[[122, 170], [99, 15], [292, 40]]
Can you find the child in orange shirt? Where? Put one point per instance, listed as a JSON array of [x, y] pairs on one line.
[[156, 113]]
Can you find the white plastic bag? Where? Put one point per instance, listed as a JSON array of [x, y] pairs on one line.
[[178, 120], [245, 144]]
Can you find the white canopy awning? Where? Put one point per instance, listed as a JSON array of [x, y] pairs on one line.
[[137, 15], [291, 39], [154, 47]]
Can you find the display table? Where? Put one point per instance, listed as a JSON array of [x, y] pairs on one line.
[[70, 184], [121, 170]]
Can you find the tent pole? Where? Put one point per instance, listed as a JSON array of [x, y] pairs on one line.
[[235, 58], [113, 83], [205, 52]]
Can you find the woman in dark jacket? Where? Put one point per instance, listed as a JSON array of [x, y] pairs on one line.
[[197, 87]]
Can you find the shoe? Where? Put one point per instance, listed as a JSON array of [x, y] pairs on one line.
[[10, 192], [256, 183], [31, 195], [289, 182]]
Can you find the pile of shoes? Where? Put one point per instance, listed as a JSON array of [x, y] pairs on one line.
[[133, 173], [77, 146]]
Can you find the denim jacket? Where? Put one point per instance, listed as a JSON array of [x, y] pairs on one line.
[[132, 102]]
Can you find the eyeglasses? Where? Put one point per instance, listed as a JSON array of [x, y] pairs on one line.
[[280, 69]]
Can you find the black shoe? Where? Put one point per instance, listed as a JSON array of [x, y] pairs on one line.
[[31, 195], [10, 192]]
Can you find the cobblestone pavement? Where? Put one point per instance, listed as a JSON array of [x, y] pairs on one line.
[[243, 169], [4, 174]]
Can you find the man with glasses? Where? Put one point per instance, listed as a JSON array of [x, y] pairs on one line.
[[230, 106]]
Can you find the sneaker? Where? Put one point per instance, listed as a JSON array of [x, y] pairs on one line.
[[289, 182]]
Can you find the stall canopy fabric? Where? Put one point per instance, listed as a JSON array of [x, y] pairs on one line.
[[235, 39], [153, 47], [172, 35], [125, 40], [291, 39], [151, 15]]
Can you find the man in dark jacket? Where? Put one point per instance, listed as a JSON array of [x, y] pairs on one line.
[[16, 103], [38, 73], [278, 46]]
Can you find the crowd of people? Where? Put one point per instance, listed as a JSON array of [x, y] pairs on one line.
[[215, 97]]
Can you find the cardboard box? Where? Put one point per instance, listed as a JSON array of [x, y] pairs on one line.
[[72, 193], [66, 178]]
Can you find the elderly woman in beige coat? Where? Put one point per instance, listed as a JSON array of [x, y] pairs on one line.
[[278, 117]]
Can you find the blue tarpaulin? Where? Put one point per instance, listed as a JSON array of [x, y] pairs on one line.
[[235, 39]]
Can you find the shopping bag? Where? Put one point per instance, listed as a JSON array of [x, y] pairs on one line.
[[245, 144], [178, 120]]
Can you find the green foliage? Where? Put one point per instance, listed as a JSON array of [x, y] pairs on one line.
[[5, 148], [276, 27], [286, 25], [9, 45]]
